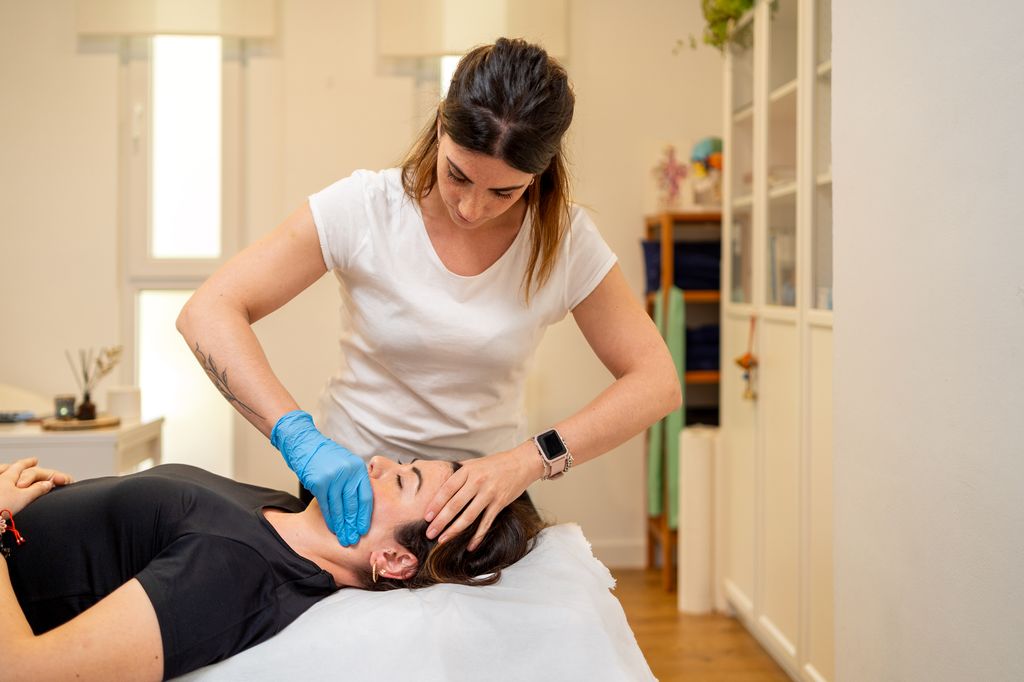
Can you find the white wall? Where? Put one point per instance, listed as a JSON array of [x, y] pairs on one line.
[[58, 196], [633, 96], [318, 109], [928, 100], [320, 106]]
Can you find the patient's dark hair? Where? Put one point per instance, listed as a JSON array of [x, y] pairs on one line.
[[508, 540]]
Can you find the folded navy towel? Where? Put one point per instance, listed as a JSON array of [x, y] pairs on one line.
[[702, 347], [709, 333], [696, 265]]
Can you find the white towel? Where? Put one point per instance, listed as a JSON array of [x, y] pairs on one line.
[[550, 617]]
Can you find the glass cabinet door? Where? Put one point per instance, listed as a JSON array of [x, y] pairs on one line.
[[780, 251], [780, 245], [782, 100], [741, 160], [821, 233], [742, 231]]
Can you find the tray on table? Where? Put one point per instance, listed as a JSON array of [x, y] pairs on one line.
[[101, 421]]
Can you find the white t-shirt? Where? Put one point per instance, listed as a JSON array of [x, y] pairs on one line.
[[434, 364]]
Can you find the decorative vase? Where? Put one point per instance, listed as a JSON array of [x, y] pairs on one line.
[[86, 408]]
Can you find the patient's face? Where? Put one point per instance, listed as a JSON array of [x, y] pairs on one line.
[[401, 492]]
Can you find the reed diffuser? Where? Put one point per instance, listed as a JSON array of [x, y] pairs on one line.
[[90, 368]]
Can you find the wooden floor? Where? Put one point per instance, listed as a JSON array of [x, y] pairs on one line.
[[712, 648]]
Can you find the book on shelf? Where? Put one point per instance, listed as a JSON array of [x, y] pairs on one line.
[[782, 268]]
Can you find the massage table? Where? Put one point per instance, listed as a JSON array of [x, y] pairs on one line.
[[551, 616]]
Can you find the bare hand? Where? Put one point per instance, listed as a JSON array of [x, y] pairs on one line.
[[22, 482], [482, 486]]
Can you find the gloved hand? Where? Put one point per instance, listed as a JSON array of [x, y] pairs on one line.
[[335, 476]]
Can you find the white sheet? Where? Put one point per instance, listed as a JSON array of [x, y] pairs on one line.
[[550, 617]]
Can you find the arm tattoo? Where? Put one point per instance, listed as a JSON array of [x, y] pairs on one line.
[[220, 380]]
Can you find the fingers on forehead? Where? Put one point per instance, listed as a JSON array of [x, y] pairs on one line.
[[456, 480]]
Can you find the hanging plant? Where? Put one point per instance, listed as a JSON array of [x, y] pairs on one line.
[[722, 17]]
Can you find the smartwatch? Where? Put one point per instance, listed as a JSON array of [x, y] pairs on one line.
[[554, 453]]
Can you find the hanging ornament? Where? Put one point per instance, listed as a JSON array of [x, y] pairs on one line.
[[748, 361]]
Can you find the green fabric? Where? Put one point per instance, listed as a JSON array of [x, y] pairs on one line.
[[663, 436]]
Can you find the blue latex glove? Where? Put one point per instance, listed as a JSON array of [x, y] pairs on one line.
[[335, 476]]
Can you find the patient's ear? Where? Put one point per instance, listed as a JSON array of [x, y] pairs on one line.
[[396, 562]]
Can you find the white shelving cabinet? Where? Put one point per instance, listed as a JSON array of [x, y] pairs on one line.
[[775, 473]]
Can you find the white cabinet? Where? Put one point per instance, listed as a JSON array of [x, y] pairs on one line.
[[119, 450], [775, 471]]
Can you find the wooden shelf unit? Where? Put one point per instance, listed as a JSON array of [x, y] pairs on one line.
[[702, 376], [666, 220], [660, 538], [692, 296]]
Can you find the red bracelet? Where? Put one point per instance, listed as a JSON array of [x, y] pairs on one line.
[[18, 537]]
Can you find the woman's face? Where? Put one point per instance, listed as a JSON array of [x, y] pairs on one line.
[[476, 188], [401, 491]]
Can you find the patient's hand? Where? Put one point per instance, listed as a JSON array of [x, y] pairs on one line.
[[23, 481]]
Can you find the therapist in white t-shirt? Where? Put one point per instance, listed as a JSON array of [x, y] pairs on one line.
[[450, 268]]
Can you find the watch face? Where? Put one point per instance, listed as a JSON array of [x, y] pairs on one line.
[[551, 444]]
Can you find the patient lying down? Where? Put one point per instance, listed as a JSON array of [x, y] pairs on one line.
[[155, 574]]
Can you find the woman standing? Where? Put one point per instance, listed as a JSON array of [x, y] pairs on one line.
[[451, 268]]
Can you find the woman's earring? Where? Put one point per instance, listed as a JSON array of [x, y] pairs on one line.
[[374, 572]]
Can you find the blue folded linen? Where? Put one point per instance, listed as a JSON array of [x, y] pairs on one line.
[[696, 265]]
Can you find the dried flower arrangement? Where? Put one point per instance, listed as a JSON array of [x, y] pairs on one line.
[[670, 174], [92, 367]]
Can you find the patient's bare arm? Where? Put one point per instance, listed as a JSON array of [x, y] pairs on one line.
[[117, 639]]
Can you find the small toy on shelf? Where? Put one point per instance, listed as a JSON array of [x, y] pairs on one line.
[[706, 162]]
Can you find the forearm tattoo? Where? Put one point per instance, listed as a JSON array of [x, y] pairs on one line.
[[220, 380]]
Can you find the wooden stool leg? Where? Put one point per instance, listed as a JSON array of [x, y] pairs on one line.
[[667, 567], [651, 545]]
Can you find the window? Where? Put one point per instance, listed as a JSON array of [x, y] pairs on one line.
[[180, 222], [197, 420], [186, 147], [448, 65]]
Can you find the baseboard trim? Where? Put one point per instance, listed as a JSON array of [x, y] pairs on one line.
[[767, 640], [737, 598], [813, 673], [780, 639]]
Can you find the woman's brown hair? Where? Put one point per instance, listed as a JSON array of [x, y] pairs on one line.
[[509, 100], [509, 539]]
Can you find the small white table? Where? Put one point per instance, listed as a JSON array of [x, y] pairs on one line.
[[122, 449]]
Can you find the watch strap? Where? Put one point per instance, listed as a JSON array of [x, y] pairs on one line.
[[557, 467]]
